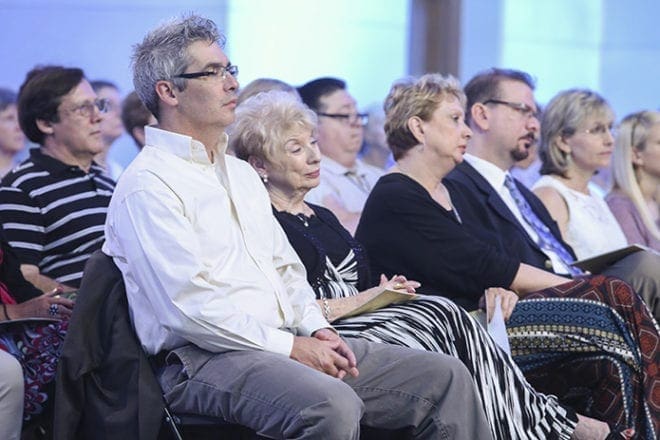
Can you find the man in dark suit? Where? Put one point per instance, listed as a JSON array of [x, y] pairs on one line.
[[502, 113]]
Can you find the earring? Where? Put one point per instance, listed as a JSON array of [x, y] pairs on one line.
[[264, 178]]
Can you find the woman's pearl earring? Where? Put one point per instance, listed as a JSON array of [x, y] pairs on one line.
[[264, 178]]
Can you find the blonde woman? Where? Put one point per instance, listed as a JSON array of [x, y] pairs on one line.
[[577, 141], [636, 170]]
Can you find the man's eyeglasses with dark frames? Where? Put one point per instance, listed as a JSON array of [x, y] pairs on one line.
[[521, 107], [215, 72], [348, 118], [86, 110]]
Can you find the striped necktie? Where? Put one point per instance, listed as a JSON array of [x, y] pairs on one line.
[[546, 240]]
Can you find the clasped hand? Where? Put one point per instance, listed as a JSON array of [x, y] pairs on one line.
[[325, 352], [399, 282]]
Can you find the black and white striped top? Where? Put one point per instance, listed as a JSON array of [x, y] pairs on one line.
[[53, 214]]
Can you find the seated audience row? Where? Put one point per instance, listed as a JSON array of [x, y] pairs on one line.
[[210, 301], [275, 133], [218, 296]]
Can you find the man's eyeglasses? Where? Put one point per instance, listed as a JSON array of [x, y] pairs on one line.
[[219, 72], [360, 119], [520, 107], [86, 110]]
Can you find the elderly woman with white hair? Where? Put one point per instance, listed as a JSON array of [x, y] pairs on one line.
[[274, 132], [636, 170]]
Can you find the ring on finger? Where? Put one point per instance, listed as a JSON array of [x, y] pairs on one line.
[[53, 309], [398, 286]]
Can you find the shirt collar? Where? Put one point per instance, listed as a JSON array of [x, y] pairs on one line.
[[335, 167], [182, 145], [491, 172], [57, 167]]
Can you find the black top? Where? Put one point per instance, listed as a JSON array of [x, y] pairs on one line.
[[11, 276], [319, 236], [406, 232], [486, 215], [54, 214]]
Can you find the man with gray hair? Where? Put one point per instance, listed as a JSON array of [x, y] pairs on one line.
[[218, 296]]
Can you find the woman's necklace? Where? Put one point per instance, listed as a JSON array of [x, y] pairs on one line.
[[303, 218]]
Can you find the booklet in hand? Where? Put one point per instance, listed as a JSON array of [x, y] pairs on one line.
[[600, 262], [383, 299]]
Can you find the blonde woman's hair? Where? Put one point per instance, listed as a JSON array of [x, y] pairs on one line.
[[264, 121], [415, 97], [632, 136], [562, 117]]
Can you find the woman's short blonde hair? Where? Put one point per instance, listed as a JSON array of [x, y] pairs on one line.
[[633, 134], [562, 117], [415, 97], [264, 121]]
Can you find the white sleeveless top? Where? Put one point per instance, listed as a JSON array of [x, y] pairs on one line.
[[592, 228]]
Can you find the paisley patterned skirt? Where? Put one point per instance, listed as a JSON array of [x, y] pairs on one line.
[[37, 346]]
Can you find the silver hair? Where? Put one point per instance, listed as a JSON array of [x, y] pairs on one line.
[[164, 53]]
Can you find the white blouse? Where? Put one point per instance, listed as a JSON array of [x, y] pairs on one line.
[[592, 228]]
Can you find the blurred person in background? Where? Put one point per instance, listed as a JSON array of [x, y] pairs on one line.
[[375, 150], [636, 171], [135, 116], [12, 140], [345, 179], [111, 125]]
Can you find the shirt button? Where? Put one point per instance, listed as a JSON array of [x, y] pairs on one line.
[[548, 264]]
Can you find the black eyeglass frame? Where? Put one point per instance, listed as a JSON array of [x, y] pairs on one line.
[[518, 106], [231, 69], [362, 118]]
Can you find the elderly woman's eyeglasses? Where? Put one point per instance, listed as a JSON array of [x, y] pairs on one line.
[[520, 107], [86, 110], [219, 72], [348, 118]]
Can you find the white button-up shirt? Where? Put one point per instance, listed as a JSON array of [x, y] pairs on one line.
[[495, 176], [350, 186], [203, 259]]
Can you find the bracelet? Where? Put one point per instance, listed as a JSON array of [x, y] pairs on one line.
[[4, 311], [326, 309]]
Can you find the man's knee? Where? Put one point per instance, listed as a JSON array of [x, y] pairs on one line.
[[337, 415]]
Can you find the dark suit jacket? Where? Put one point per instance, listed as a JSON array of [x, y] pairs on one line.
[[105, 388], [486, 215]]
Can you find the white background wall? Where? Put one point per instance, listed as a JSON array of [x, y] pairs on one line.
[[612, 46]]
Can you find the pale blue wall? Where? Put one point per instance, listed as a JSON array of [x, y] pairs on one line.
[[95, 35], [611, 46], [362, 41]]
